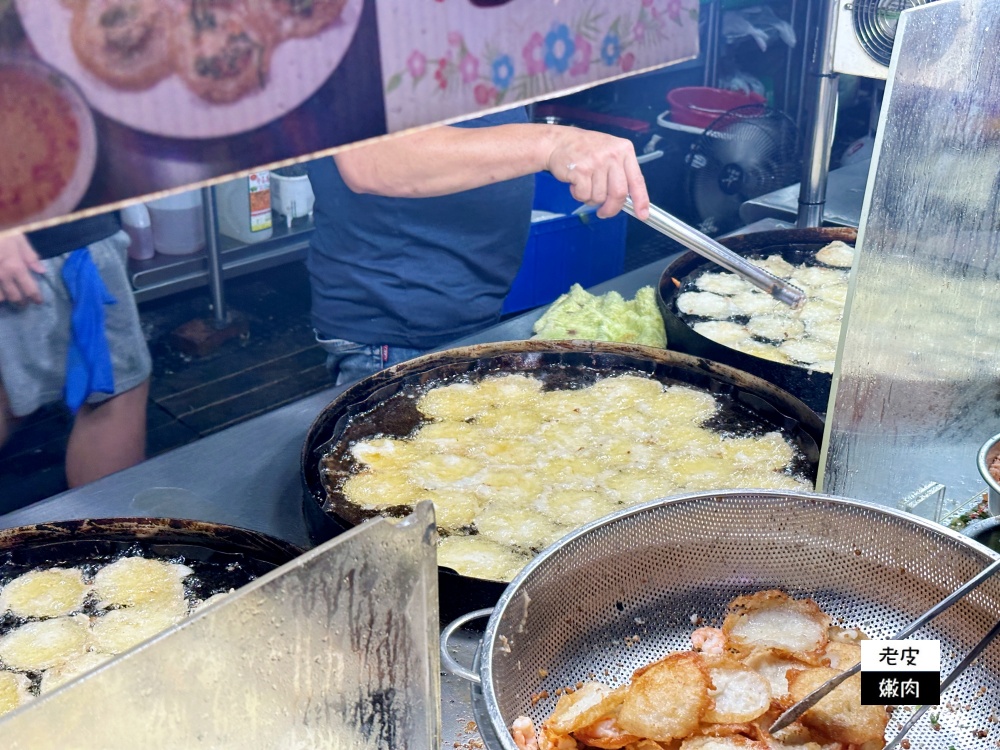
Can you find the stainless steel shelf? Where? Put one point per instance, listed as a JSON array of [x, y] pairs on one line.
[[168, 274]]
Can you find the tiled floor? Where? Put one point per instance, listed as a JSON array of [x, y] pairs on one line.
[[278, 362]]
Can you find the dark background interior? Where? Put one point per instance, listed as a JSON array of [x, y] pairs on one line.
[[279, 362]]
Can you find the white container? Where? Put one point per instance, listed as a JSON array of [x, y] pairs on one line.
[[178, 223], [244, 207], [292, 197], [139, 228]]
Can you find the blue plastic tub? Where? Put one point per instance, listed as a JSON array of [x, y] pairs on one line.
[[574, 249]]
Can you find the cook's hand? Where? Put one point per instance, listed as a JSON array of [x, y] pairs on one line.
[[601, 169], [18, 264]]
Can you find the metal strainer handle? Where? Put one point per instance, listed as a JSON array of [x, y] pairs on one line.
[[819, 693], [447, 659]]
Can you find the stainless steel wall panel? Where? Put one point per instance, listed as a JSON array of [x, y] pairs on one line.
[[918, 384]]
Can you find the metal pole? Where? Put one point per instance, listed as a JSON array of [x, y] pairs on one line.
[[803, 65], [220, 317], [713, 29], [812, 191], [790, 57]]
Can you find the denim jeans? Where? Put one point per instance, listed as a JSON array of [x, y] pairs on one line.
[[349, 361]]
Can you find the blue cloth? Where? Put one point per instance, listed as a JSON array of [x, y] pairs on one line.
[[415, 272], [88, 363]]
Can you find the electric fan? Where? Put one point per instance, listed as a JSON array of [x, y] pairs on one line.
[[875, 24], [745, 153]]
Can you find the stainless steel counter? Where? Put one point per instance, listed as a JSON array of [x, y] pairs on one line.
[[845, 196], [248, 476]]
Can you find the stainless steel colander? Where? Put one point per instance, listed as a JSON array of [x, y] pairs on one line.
[[624, 590]]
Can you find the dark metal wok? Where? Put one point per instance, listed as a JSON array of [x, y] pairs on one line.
[[383, 404], [222, 557], [794, 245]]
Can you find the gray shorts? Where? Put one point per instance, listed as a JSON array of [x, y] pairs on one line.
[[34, 339]]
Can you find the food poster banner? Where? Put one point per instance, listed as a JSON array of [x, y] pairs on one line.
[[106, 101], [442, 59]]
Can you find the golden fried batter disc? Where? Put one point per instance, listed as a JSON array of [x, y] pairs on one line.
[[840, 715], [590, 702], [773, 666], [134, 581], [478, 557], [36, 646], [740, 694], [125, 43], [79, 665], [45, 593], [121, 629], [773, 619], [731, 742], [843, 656], [667, 699], [13, 691]]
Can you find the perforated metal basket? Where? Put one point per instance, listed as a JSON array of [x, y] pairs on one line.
[[624, 590]]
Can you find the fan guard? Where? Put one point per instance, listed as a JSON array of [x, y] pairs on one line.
[[875, 24], [745, 153]]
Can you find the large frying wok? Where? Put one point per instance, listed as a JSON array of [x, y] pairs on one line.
[[383, 405], [794, 245], [222, 557], [79, 542], [648, 571]]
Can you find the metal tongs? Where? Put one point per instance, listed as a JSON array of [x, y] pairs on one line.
[[819, 693], [704, 245]]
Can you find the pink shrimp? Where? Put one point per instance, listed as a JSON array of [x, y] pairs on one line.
[[523, 732], [709, 640], [605, 734]]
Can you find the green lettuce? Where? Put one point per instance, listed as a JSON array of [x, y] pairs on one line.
[[606, 317]]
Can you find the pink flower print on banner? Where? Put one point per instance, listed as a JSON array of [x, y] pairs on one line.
[[485, 94], [599, 37], [581, 56], [469, 68], [441, 74], [416, 64], [534, 54]]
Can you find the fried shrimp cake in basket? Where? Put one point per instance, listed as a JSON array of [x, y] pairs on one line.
[[125, 43], [221, 52], [771, 650]]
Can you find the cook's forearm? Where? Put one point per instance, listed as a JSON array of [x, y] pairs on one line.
[[601, 169], [445, 160]]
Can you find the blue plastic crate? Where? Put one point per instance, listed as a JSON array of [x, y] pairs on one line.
[[574, 249]]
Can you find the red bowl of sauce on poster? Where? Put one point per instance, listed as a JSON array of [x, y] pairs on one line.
[[49, 143]]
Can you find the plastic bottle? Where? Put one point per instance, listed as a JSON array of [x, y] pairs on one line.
[[244, 207], [139, 227], [178, 223]]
